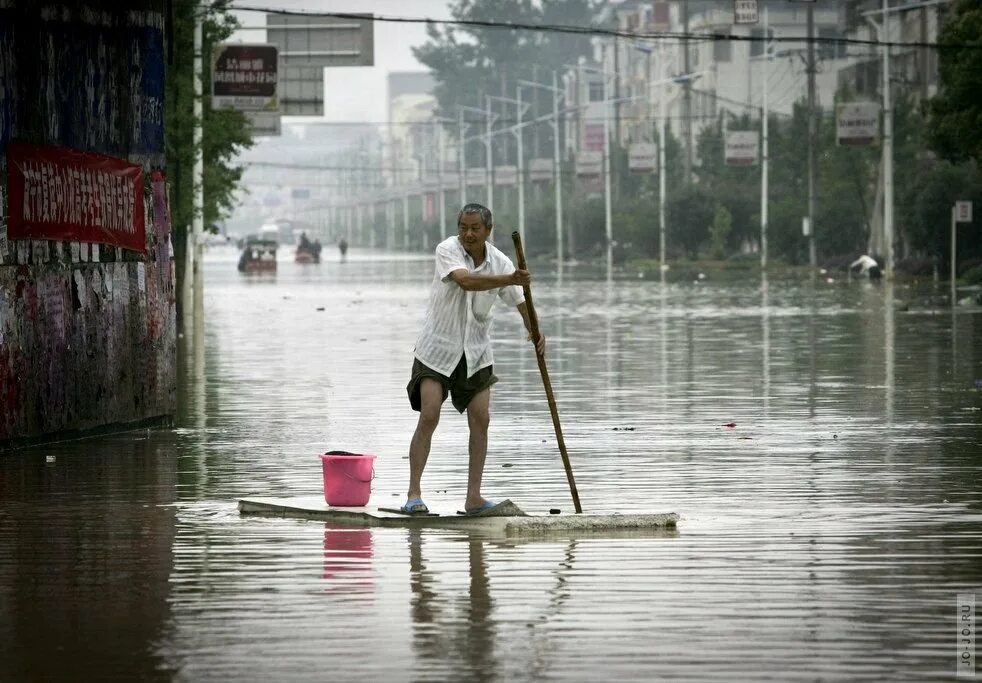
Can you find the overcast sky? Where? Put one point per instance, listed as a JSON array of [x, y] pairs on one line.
[[359, 93]]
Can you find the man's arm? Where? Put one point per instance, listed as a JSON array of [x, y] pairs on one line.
[[540, 343], [474, 282]]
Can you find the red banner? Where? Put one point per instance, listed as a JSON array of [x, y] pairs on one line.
[[58, 193]]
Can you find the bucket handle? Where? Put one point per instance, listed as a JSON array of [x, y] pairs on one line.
[[362, 481]]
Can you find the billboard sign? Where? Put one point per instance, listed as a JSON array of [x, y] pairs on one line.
[[59, 193], [506, 176], [745, 11], [589, 163], [322, 40], [244, 77], [857, 123], [642, 157], [742, 147], [476, 175]]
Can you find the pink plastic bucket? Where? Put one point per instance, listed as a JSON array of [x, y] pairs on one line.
[[347, 478]]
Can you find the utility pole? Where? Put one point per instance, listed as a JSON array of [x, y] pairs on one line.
[[558, 182], [812, 257], [608, 223], [461, 155], [488, 151], [439, 172], [198, 214], [887, 147], [764, 148], [687, 92], [520, 133]]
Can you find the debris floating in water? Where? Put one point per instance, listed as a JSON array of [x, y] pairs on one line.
[[730, 425], [507, 464]]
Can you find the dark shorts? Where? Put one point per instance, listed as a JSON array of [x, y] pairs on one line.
[[460, 387]]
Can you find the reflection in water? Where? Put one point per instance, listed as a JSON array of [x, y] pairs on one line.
[[130, 555], [85, 560], [347, 559], [460, 636]]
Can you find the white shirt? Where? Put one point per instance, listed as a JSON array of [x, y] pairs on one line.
[[458, 321]]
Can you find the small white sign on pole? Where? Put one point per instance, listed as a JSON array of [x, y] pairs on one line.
[[963, 212], [506, 176], [745, 11], [642, 157], [857, 123], [742, 147], [806, 226], [540, 169], [589, 163], [476, 175]]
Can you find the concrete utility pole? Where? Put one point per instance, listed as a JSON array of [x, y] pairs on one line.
[[765, 158], [488, 151], [887, 147], [687, 92], [608, 222], [198, 216], [557, 163], [557, 95], [461, 155], [812, 256]]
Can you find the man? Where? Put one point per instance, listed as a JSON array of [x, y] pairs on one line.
[[867, 266], [453, 350]]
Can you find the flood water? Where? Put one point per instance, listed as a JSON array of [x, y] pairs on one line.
[[825, 536]]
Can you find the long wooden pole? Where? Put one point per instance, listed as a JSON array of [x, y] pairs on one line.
[[534, 325]]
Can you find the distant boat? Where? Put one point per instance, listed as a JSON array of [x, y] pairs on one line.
[[258, 254]]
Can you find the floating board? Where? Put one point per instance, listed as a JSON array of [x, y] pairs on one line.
[[506, 517]]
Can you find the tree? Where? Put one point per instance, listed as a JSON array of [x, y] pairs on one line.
[[225, 133], [956, 111], [467, 60]]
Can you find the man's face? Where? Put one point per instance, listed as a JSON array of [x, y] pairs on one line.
[[472, 231]]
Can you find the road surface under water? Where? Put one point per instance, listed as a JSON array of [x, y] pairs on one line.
[[827, 535]]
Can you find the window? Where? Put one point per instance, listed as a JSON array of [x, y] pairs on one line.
[[757, 42], [596, 91], [721, 49], [830, 50]]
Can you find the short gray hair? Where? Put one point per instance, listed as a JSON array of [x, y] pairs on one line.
[[484, 212]]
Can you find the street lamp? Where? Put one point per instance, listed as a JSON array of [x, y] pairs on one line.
[[557, 95], [519, 133]]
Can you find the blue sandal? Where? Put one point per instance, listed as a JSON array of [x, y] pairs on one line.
[[414, 506], [473, 511]]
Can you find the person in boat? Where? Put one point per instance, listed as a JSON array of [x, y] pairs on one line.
[[453, 349]]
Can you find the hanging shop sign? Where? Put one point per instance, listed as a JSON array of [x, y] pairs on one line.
[[506, 176], [476, 176], [59, 193], [742, 147], [589, 163], [857, 123], [642, 157], [244, 77], [745, 12]]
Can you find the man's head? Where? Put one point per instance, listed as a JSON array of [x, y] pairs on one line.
[[474, 225], [478, 210]]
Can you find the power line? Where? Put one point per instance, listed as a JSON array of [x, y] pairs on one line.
[[661, 36]]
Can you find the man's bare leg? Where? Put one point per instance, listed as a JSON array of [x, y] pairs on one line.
[[478, 419], [430, 400]]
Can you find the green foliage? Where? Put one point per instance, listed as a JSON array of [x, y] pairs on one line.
[[722, 224], [470, 61], [689, 213], [225, 133], [956, 111]]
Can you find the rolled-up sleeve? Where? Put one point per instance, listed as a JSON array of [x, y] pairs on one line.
[[513, 294], [448, 259]]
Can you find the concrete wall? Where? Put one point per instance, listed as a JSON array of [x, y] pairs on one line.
[[87, 332]]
